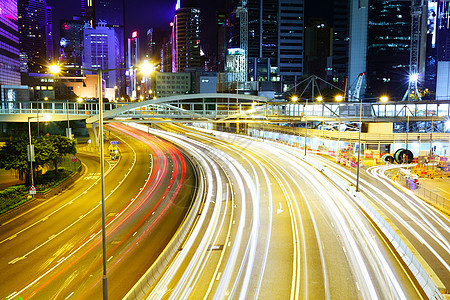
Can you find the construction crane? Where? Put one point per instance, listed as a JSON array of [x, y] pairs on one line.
[[242, 14], [416, 23]]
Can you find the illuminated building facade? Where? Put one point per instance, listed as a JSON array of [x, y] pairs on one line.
[[71, 44], [109, 13], [9, 48], [34, 20], [275, 39], [101, 51], [388, 48], [437, 72], [186, 38]]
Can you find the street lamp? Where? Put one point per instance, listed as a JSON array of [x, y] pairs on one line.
[[55, 70], [102, 177], [146, 69], [339, 98], [359, 144], [31, 147], [384, 99]]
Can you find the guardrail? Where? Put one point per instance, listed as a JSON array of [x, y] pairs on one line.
[[424, 280], [140, 289], [433, 197]]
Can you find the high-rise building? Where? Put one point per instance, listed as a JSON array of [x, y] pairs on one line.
[[438, 56], [9, 48], [388, 48], [275, 38], [111, 13], [221, 40], [186, 37], [290, 40], [318, 48], [132, 61], [150, 49], [380, 45], [49, 33], [101, 51], [340, 41], [71, 43], [33, 34]]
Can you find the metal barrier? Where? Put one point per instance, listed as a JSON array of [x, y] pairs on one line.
[[433, 197]]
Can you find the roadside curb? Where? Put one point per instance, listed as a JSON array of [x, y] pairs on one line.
[[36, 202]]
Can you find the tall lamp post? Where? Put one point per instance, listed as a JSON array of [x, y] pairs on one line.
[[31, 146], [359, 144], [56, 69]]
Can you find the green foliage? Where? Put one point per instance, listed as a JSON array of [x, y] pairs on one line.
[[51, 179], [14, 155], [47, 149], [12, 197]]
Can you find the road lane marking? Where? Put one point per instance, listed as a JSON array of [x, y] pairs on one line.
[[16, 260], [280, 210]]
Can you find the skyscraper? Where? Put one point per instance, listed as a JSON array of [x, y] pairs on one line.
[[111, 13], [388, 47], [33, 35], [72, 43], [186, 37], [101, 51], [9, 48], [380, 45], [275, 38]]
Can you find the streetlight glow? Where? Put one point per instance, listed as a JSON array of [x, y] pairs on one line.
[[339, 98], [384, 98], [413, 77], [54, 69], [294, 98], [320, 98], [146, 67]]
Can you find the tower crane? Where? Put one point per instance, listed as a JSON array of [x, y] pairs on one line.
[[416, 23]]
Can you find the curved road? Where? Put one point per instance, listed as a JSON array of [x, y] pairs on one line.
[[54, 251], [276, 229]]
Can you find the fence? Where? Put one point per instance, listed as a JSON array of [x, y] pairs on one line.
[[433, 197]]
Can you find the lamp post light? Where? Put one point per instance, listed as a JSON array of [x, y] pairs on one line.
[[31, 146], [146, 69], [359, 144], [99, 71]]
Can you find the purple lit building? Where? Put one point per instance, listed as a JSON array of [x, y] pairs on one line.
[[34, 35], [9, 54]]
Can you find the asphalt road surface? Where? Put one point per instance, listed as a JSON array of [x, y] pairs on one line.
[[273, 227], [54, 251]]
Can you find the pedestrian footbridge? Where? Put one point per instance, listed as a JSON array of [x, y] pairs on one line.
[[219, 107]]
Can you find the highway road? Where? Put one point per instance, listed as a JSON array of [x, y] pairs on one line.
[[426, 229], [273, 227], [54, 251]]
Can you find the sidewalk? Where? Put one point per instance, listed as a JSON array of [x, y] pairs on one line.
[[9, 178], [440, 186]]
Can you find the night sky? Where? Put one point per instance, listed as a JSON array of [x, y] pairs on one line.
[[144, 14]]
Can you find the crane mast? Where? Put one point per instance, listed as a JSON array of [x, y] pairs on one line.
[[416, 24]]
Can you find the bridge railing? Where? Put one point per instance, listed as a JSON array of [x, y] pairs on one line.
[[218, 109]]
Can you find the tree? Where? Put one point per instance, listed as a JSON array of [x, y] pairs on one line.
[[46, 149], [62, 145], [14, 156]]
